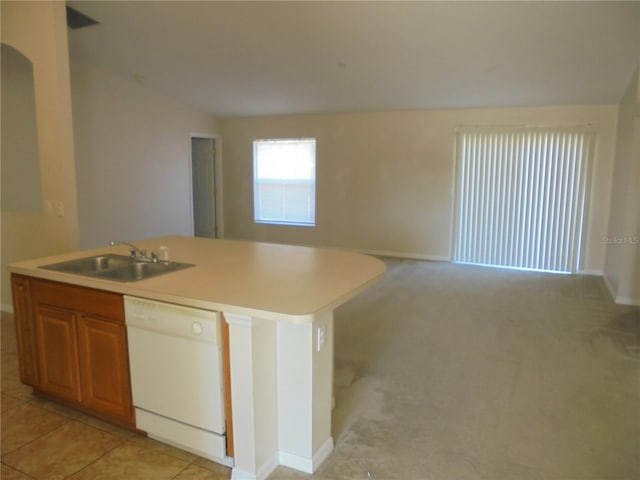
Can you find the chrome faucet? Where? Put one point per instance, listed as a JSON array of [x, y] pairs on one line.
[[137, 253]]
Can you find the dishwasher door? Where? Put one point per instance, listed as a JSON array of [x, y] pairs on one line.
[[176, 364]]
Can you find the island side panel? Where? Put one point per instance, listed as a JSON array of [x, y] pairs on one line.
[[253, 346], [305, 379]]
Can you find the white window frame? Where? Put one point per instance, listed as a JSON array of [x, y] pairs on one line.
[[284, 175]]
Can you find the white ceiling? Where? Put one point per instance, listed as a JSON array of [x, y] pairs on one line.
[[258, 58]]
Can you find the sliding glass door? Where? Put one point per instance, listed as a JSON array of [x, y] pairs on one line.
[[521, 196]]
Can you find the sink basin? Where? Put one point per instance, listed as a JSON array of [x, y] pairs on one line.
[[141, 270], [91, 265], [121, 268]]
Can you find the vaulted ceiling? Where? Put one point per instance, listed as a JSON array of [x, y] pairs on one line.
[[259, 58]]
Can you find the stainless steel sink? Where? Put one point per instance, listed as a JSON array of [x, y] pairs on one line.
[[91, 265], [141, 270], [120, 268]]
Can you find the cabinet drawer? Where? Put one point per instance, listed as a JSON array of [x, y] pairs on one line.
[[103, 304]]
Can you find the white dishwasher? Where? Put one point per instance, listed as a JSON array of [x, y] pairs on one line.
[[175, 358]]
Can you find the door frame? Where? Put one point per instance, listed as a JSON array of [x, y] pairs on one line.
[[217, 169]]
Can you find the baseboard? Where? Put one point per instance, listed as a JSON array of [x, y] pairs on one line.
[[7, 308], [634, 302], [607, 284], [296, 462], [619, 299], [263, 472], [322, 453], [307, 465], [598, 273]]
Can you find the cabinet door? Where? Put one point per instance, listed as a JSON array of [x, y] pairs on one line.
[[25, 330], [104, 367], [57, 348]]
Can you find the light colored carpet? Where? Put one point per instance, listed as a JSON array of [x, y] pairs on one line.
[[455, 372]]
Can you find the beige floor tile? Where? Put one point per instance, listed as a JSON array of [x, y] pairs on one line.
[[194, 472], [25, 423], [214, 467], [55, 408], [63, 452], [104, 426], [17, 389], [8, 473], [7, 402], [81, 417], [9, 366], [149, 443], [7, 334], [10, 377], [133, 462]]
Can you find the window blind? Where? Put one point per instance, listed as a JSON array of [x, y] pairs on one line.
[[521, 196], [284, 180]]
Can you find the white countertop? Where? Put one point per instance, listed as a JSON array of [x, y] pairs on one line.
[[271, 281]]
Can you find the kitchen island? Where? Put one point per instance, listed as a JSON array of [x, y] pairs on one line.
[[278, 301]]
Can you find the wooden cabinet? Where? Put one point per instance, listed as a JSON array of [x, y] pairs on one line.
[[72, 346], [104, 366], [25, 330], [58, 351]]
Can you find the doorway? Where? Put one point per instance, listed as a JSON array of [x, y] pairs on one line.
[[203, 186]]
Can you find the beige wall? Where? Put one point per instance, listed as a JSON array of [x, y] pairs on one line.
[[385, 180], [38, 30], [622, 270], [133, 158], [21, 186]]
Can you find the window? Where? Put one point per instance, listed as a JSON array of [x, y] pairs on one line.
[[284, 181]]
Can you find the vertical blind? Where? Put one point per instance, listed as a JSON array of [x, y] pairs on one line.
[[284, 181], [521, 196]]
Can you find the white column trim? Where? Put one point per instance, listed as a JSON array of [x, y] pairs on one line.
[[252, 358]]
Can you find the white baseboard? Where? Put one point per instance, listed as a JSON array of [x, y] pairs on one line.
[[619, 299], [612, 292], [307, 465], [599, 273], [322, 453], [634, 302], [296, 462], [263, 472]]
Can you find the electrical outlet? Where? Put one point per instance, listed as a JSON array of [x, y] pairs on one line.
[[322, 336], [60, 209]]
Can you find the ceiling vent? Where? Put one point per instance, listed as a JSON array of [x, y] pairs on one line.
[[75, 19]]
